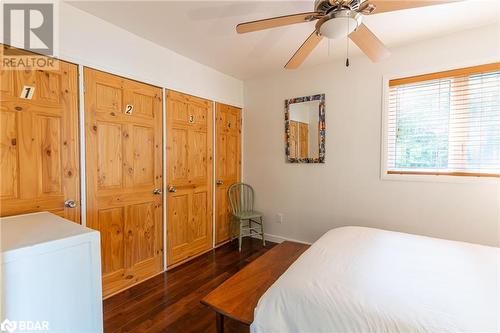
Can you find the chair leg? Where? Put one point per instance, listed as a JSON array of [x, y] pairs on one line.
[[262, 231], [239, 238], [233, 228]]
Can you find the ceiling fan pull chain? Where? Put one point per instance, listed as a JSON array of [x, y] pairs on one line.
[[347, 47]]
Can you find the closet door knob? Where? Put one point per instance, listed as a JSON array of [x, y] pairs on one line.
[[157, 191], [220, 182], [70, 204], [172, 189]]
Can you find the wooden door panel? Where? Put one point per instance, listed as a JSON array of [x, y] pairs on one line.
[[232, 121], [108, 97], [109, 155], [124, 166], [294, 135], [223, 214], [232, 157], [143, 155], [28, 156], [198, 113], [178, 156], [189, 156], [143, 105], [197, 156], [142, 98], [49, 134], [178, 111], [39, 142], [179, 204], [48, 87], [303, 139], [7, 82], [9, 155], [221, 154], [140, 232], [198, 222], [228, 159], [111, 225]]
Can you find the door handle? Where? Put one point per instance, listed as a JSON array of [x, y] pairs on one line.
[[220, 182], [157, 191], [70, 203], [172, 189]]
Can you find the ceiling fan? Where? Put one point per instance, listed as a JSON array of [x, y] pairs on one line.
[[339, 18]]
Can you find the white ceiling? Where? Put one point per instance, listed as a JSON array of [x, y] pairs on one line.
[[204, 30]]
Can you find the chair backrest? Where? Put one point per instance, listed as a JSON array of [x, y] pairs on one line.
[[241, 197]]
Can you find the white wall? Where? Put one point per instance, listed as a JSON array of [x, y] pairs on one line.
[[348, 189], [91, 41]]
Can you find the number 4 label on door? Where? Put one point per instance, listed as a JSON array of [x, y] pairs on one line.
[[129, 109], [27, 92]]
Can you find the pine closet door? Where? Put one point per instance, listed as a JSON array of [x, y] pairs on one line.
[[189, 177], [123, 120], [294, 139], [303, 140], [39, 166], [227, 165]]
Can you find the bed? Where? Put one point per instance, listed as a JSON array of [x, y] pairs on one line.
[[356, 279]]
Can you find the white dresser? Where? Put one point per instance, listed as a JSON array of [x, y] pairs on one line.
[[51, 273]]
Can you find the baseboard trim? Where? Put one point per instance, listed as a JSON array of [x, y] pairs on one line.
[[280, 239]]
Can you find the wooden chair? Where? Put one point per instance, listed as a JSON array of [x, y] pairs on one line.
[[241, 199]]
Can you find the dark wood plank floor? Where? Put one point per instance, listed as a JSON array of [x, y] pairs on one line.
[[170, 302]]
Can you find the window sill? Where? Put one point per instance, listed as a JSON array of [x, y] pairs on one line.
[[437, 173], [434, 177]]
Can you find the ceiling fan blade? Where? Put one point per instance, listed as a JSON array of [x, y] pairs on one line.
[[275, 22], [366, 40], [304, 50], [382, 6]]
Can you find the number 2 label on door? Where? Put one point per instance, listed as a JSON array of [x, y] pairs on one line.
[[129, 109], [27, 92]]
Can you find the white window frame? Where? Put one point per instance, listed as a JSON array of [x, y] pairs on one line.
[[384, 137]]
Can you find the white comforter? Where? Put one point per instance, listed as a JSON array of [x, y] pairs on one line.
[[356, 279]]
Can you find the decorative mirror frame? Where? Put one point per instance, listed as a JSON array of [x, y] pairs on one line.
[[321, 128]]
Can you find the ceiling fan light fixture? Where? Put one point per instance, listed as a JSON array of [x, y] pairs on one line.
[[339, 24]]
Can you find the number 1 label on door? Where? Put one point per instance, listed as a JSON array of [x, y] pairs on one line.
[[27, 92]]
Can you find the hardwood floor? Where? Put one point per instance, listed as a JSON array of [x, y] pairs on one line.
[[170, 302]]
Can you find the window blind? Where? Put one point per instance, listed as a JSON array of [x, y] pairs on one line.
[[445, 123]]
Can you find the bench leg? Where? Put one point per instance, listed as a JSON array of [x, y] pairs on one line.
[[219, 322]]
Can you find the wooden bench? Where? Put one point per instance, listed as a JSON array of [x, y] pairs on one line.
[[237, 297]]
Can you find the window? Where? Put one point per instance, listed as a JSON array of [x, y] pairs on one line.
[[445, 123]]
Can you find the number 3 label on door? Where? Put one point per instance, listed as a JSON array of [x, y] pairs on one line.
[[27, 92], [129, 109]]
